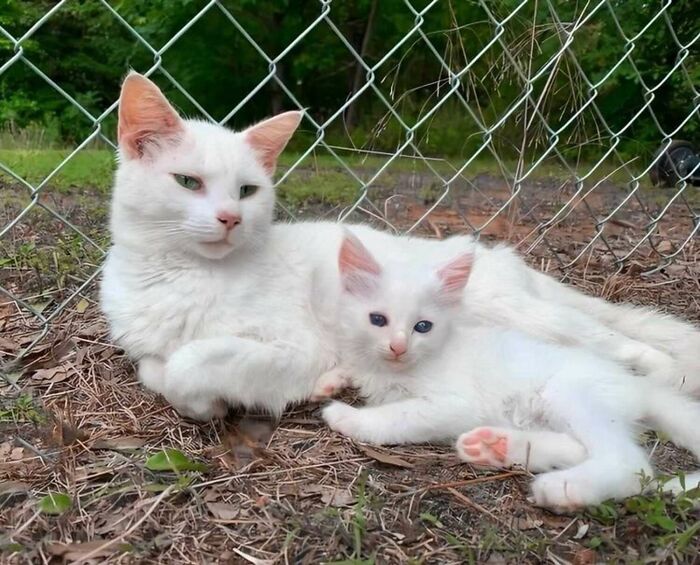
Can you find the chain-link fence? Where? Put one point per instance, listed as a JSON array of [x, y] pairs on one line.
[[536, 121]]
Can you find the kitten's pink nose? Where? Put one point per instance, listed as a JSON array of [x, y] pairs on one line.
[[398, 347], [229, 219]]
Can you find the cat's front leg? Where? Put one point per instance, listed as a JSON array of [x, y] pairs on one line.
[[152, 374], [413, 420], [205, 375]]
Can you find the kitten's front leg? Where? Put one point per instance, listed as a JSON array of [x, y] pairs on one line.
[[536, 450], [414, 420], [331, 383]]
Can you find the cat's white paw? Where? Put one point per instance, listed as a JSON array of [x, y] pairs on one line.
[[202, 409], [184, 391], [484, 446], [343, 419], [329, 384]]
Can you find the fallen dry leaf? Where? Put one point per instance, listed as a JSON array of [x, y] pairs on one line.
[[384, 457], [8, 345], [75, 551], [81, 306], [527, 523], [223, 510], [11, 488], [54, 374], [582, 531], [585, 557], [337, 497], [329, 495], [124, 443]]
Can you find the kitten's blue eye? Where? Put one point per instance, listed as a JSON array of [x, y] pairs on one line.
[[378, 320], [248, 190], [423, 327], [190, 183]]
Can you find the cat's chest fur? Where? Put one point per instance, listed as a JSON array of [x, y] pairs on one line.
[[154, 308]]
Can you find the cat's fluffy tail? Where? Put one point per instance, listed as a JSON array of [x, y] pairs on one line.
[[665, 333]]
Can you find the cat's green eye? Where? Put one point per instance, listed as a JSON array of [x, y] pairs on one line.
[[248, 190], [190, 183]]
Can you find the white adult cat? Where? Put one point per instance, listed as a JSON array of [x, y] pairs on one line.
[[217, 305], [429, 376], [193, 289]]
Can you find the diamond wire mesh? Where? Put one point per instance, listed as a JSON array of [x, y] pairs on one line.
[[546, 132]]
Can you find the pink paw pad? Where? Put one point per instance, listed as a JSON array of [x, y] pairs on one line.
[[483, 446]]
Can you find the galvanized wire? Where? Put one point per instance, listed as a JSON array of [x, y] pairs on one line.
[[451, 85]]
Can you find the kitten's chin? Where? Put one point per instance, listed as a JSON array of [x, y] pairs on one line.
[[215, 249], [397, 365]]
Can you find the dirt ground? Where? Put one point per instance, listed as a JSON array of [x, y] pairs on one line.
[[74, 421]]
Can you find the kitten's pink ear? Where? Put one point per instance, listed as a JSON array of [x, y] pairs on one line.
[[358, 269], [454, 276], [270, 137], [145, 116]]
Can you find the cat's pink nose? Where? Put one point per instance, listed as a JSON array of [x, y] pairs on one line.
[[229, 219], [398, 348]]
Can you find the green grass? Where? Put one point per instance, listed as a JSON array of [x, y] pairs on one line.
[[90, 167], [21, 410], [667, 524], [319, 178]]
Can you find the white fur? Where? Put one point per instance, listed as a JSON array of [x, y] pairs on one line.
[[462, 375], [248, 317], [232, 321]]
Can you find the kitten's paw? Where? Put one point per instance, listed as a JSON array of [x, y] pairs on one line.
[[562, 491], [329, 384], [484, 446], [343, 419], [647, 360]]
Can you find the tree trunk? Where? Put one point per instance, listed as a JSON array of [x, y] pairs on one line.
[[351, 112]]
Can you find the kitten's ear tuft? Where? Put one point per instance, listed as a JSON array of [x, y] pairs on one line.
[[145, 116], [359, 271], [454, 276], [270, 137]]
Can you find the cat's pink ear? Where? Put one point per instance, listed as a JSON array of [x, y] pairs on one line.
[[145, 116], [358, 269], [454, 276], [270, 137]]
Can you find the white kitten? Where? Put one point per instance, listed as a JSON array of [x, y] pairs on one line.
[[430, 376]]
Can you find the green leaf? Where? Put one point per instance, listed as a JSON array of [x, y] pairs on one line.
[[430, 518], [55, 503], [664, 522], [12, 547], [173, 460]]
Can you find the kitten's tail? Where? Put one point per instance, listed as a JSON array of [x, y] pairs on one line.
[[677, 416]]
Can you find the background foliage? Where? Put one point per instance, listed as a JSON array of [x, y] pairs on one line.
[[86, 50]]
